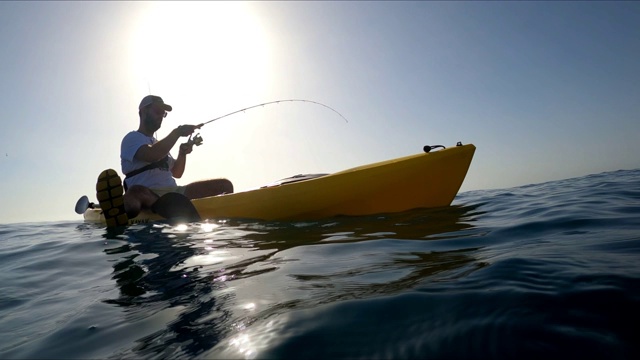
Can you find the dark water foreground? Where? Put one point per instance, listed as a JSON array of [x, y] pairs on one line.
[[541, 271]]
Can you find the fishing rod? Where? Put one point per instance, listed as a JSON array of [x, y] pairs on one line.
[[275, 102], [197, 139]]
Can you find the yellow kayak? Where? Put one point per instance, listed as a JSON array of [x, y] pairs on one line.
[[425, 180]]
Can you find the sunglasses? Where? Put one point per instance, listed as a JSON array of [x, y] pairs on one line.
[[158, 111]]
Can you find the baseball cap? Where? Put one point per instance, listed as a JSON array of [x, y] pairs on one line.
[[150, 99]]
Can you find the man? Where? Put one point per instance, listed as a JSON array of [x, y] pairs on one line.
[[150, 171]]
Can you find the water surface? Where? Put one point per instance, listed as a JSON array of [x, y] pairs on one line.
[[545, 270]]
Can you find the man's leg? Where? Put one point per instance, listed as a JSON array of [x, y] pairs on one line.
[[172, 206], [138, 198], [117, 207], [200, 189]]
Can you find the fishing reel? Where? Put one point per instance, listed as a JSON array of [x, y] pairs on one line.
[[197, 140]]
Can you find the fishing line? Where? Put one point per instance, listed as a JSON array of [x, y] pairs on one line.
[[276, 102]]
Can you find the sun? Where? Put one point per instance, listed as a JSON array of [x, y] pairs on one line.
[[205, 59], [200, 53]]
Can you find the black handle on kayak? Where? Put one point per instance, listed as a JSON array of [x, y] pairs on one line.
[[428, 148]]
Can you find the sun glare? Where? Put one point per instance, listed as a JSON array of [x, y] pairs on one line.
[[200, 52], [208, 59]]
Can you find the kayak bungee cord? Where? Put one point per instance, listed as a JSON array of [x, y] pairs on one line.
[[276, 102]]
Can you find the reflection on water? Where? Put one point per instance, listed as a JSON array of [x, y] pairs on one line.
[[221, 277], [150, 280]]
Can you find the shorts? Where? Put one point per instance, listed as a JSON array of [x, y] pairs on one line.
[[164, 190]]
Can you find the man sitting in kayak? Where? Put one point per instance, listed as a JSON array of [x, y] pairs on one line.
[[150, 171]]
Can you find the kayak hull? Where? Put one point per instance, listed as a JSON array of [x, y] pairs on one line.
[[424, 180]]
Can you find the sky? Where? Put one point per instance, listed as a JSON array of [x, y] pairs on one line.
[[544, 90]]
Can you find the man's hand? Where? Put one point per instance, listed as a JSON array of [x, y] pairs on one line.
[[186, 148], [186, 130]]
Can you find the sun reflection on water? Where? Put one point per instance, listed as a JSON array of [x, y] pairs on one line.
[[181, 227], [208, 227], [244, 346]]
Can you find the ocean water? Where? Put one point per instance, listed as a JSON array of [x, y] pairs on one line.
[[541, 271]]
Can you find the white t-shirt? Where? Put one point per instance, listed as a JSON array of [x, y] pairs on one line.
[[154, 178]]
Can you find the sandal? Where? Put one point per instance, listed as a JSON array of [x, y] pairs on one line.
[[109, 192]]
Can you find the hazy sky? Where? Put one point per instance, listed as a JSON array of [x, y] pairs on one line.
[[545, 90]]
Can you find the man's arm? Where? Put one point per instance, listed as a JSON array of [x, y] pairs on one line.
[[155, 152], [178, 166]]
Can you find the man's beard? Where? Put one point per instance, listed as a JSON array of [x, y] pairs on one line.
[[151, 124]]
